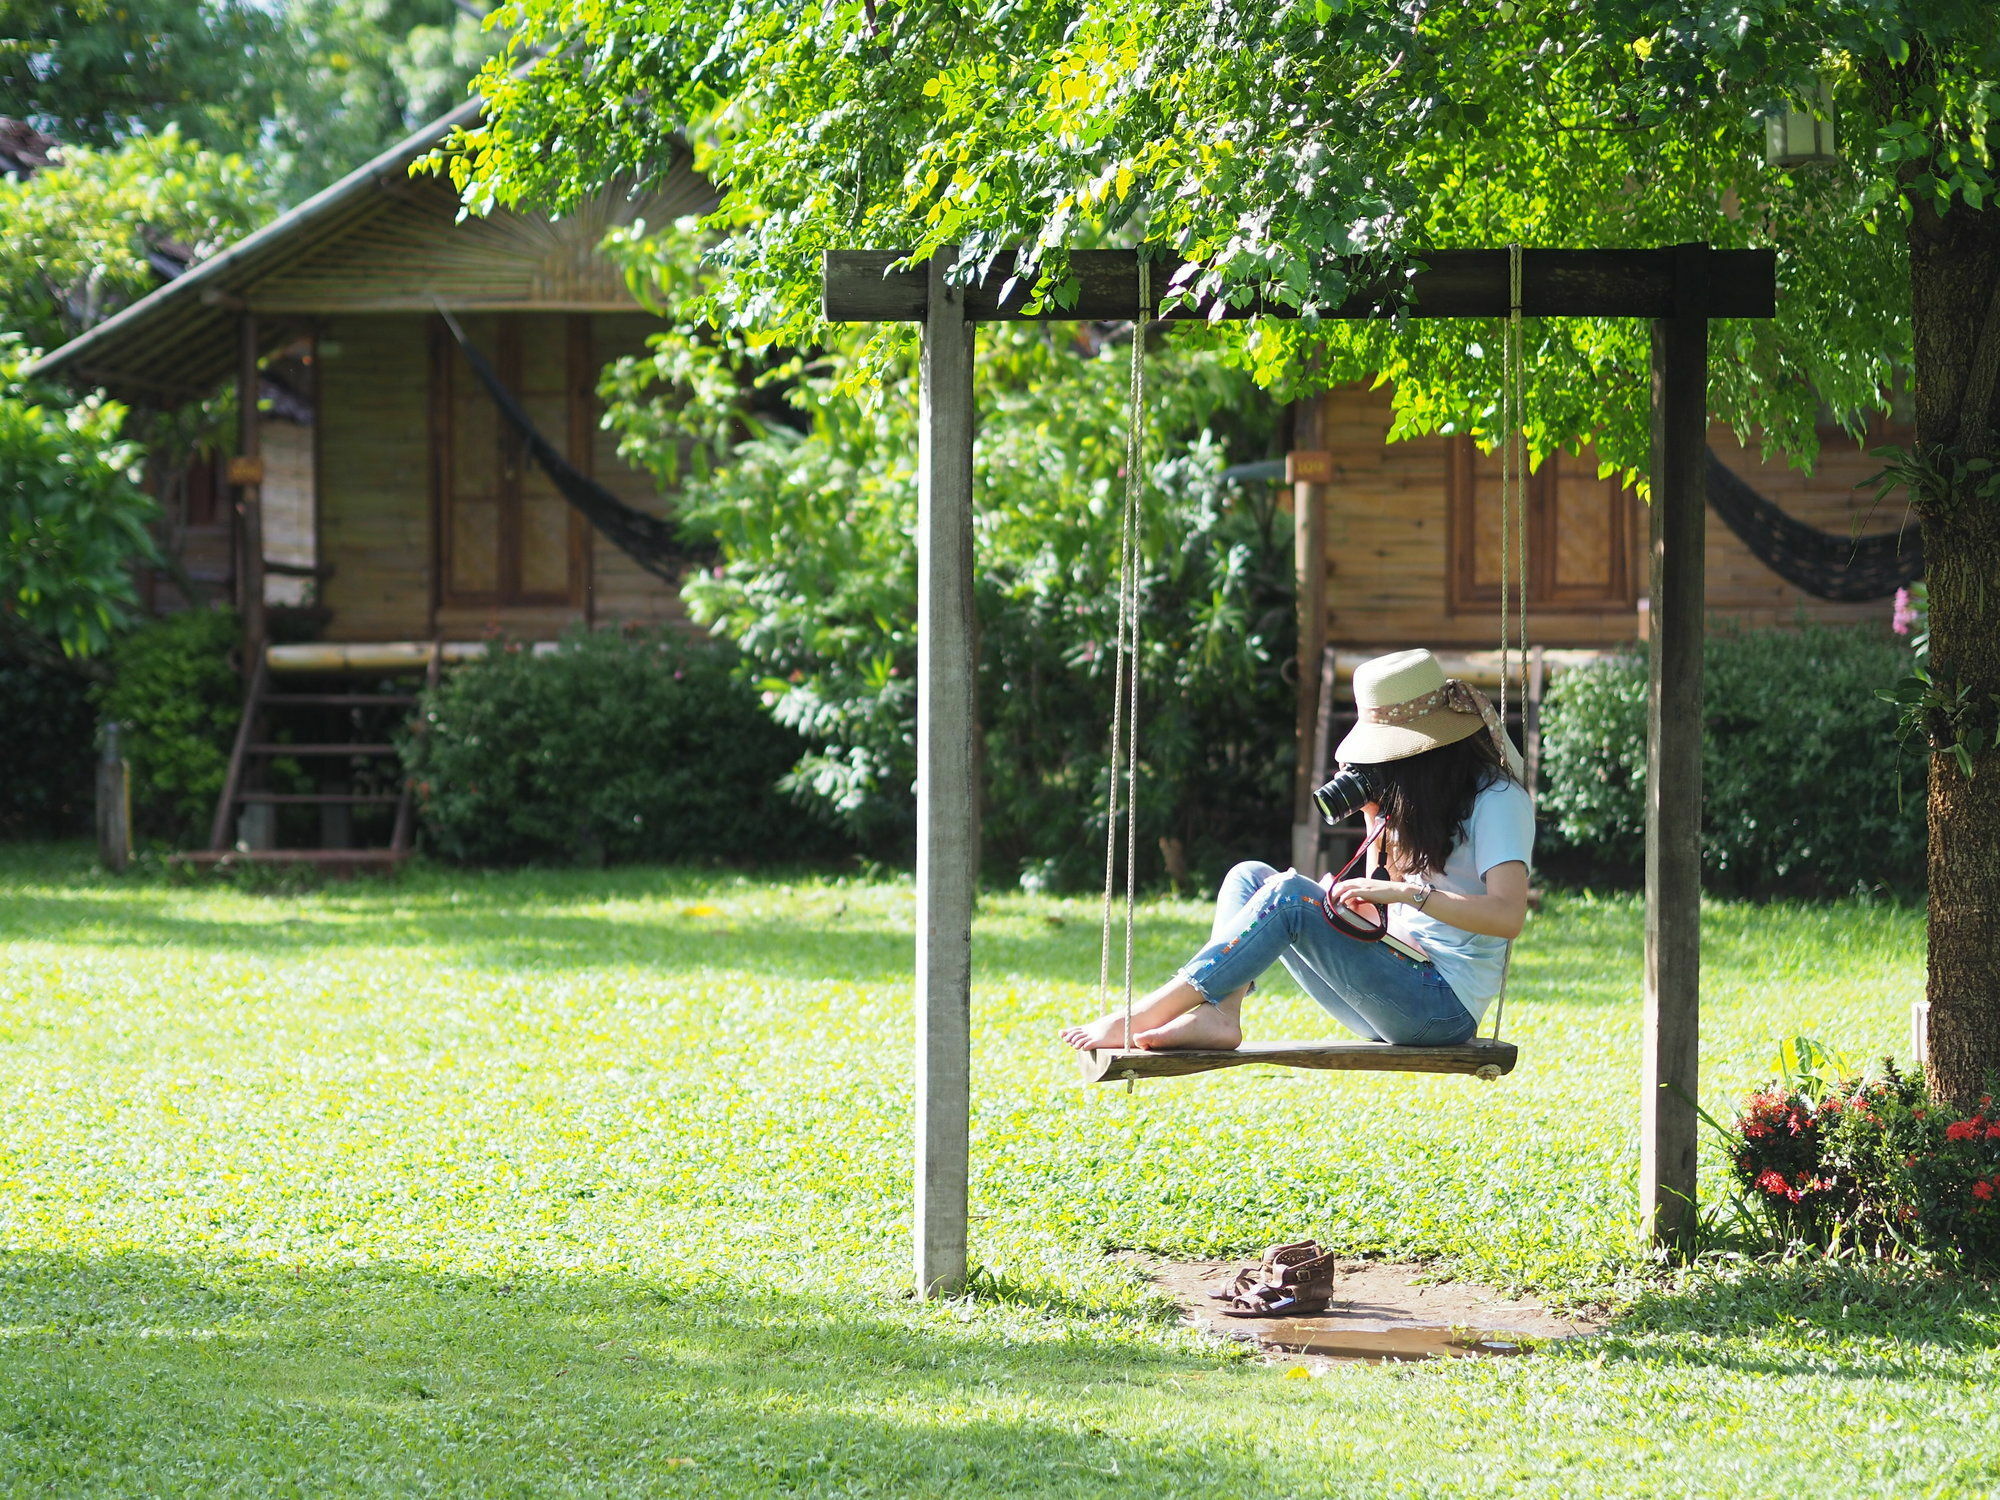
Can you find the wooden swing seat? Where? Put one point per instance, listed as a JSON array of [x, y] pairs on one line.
[[1482, 1057]]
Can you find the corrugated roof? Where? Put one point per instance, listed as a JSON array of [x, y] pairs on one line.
[[179, 342]]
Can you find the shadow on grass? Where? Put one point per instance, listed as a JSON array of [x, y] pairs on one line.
[[1897, 1314], [146, 1372], [552, 921], [504, 935]]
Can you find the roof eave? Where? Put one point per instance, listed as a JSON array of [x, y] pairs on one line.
[[210, 281]]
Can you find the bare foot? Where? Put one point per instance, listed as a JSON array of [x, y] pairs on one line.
[[1211, 1027], [1106, 1031], [1171, 999]]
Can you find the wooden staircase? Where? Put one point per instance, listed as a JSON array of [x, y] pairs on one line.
[[334, 725]]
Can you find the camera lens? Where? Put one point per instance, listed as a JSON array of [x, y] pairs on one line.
[[1346, 794]]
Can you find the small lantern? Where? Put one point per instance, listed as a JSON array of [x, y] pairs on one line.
[[1799, 138]]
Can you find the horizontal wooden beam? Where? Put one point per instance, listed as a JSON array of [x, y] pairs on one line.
[[862, 287]]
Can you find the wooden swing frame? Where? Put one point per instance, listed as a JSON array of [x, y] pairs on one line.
[[1679, 289]]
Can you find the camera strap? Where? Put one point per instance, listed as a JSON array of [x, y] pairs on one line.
[[1346, 919]]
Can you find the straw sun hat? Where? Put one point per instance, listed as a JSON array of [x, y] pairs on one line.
[[1405, 705]]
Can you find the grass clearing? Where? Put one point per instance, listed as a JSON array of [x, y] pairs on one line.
[[596, 1183]]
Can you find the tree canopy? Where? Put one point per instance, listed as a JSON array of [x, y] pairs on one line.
[[98, 229], [309, 88], [1262, 142]]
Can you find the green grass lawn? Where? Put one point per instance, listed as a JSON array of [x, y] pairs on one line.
[[563, 1183]]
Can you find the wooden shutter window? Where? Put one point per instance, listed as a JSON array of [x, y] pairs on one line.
[[1580, 532], [506, 536]]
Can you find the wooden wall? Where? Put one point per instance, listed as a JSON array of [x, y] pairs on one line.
[[374, 485], [1388, 521], [375, 501]]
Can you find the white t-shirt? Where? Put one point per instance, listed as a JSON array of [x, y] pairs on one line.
[[1501, 828]]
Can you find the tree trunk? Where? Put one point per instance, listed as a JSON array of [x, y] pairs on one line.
[[1955, 322]]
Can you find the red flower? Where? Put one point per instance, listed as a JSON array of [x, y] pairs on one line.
[[1755, 1130], [1960, 1130], [1982, 1190], [1993, 1132], [1771, 1181]]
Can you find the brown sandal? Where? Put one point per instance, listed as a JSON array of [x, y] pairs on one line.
[[1304, 1286], [1273, 1260]]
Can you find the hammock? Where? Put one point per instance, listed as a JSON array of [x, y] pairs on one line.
[[1849, 569], [654, 544]]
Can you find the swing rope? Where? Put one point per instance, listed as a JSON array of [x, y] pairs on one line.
[[1513, 531], [1125, 667]]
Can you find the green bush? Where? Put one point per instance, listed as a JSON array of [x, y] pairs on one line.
[[46, 712], [1805, 788], [636, 746], [175, 689], [73, 518]]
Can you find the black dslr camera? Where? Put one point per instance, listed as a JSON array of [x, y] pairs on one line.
[[1347, 793]]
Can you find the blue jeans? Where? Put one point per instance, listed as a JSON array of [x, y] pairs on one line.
[[1265, 916]]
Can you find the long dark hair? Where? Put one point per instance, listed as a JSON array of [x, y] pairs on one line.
[[1426, 798]]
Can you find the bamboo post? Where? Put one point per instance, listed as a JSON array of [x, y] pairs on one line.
[[1673, 758], [246, 471], [114, 804], [946, 796], [1307, 471]]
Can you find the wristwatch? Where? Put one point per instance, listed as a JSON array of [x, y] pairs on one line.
[[1424, 889]]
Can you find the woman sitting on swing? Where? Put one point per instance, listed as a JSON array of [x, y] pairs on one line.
[[1455, 829]]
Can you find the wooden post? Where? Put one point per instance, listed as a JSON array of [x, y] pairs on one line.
[[1673, 758], [114, 804], [1307, 471], [247, 471], [946, 796]]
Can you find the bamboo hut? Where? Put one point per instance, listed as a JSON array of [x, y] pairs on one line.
[[377, 501]]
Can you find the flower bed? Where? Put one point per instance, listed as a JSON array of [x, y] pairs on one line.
[[1873, 1162]]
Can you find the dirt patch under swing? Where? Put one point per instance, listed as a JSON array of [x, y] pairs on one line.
[[1380, 1311]]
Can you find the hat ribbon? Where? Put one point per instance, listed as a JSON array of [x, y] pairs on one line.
[[1457, 695]]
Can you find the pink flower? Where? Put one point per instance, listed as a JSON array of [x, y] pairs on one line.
[[1904, 616]]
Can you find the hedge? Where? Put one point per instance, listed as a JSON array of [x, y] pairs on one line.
[[615, 746], [1806, 791]]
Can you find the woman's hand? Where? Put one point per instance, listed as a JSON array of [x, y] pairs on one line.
[[1501, 912], [1374, 892]]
